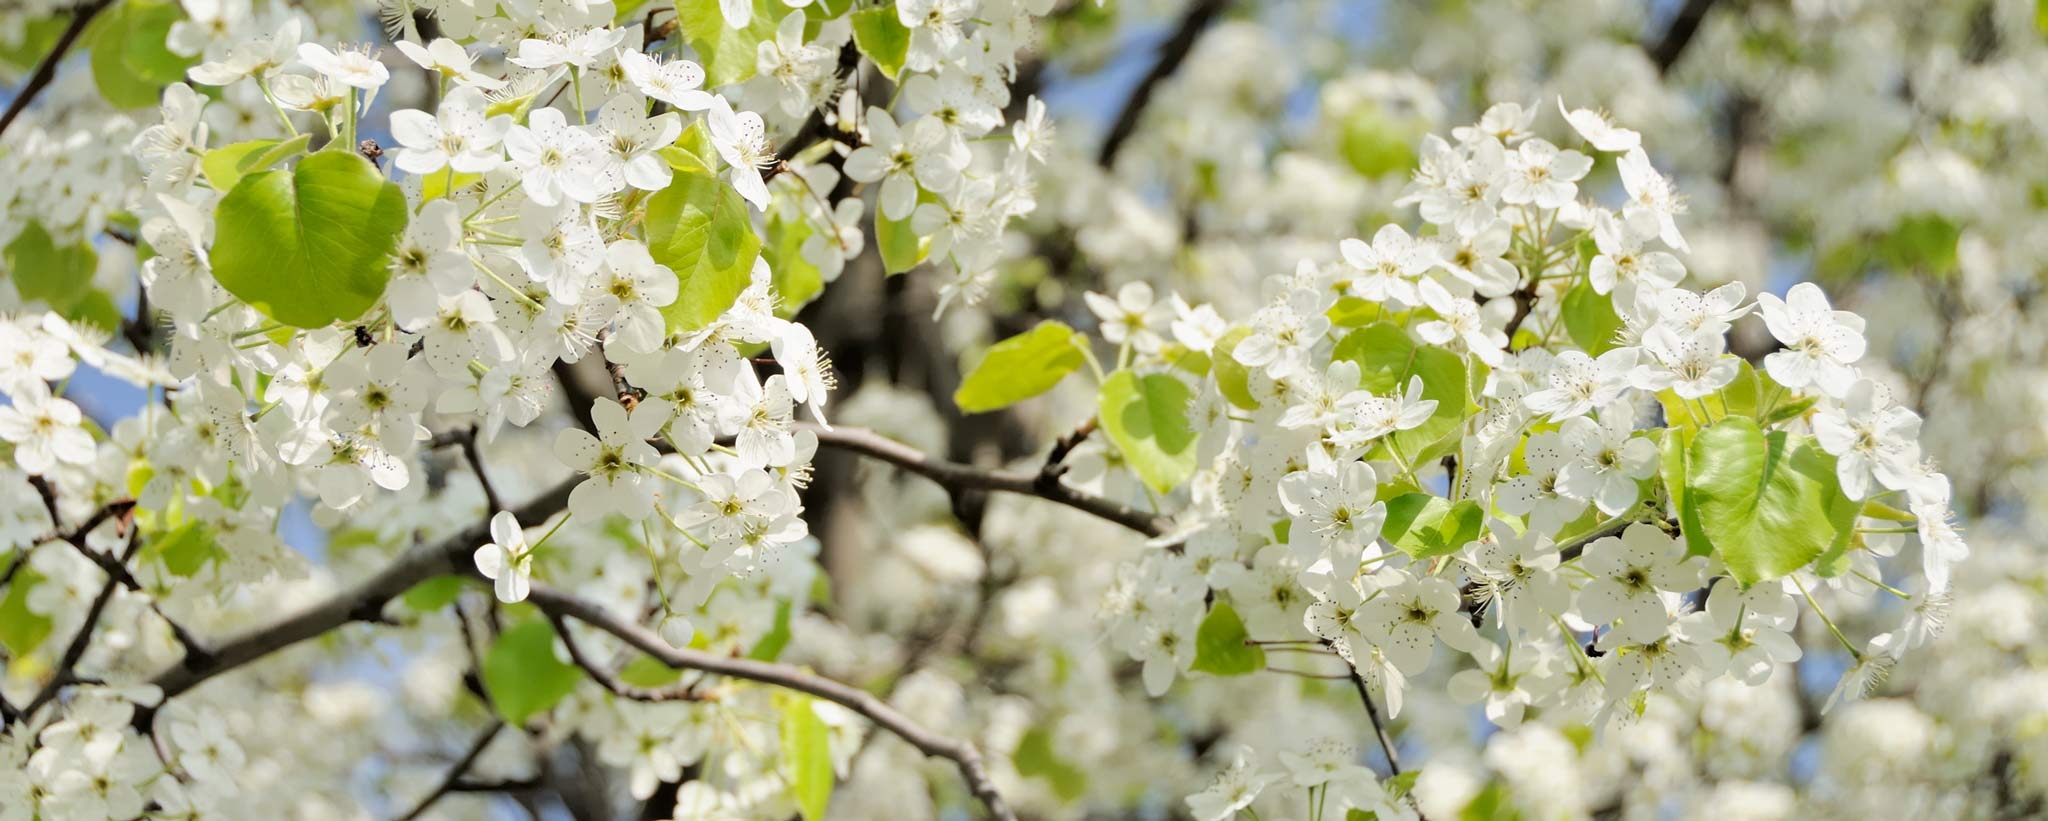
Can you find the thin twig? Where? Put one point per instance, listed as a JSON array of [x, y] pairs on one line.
[[962, 753], [611, 682], [1379, 728], [956, 476], [1684, 25], [47, 69], [476, 466], [66, 669], [1171, 54], [455, 773]]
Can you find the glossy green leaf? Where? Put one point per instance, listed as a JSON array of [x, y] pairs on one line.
[[1232, 377], [1768, 503], [97, 309], [1674, 453], [1147, 418], [21, 630], [42, 270], [227, 165], [432, 594], [187, 548], [309, 246], [881, 36], [1387, 357], [700, 228], [797, 281], [1590, 319], [772, 643], [1021, 367], [1377, 143], [1753, 394], [1425, 525], [902, 249], [37, 37], [727, 54], [522, 674], [1035, 757], [647, 671], [807, 750], [1220, 645]]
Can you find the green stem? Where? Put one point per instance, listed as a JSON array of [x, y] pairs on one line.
[[1823, 614], [264, 86]]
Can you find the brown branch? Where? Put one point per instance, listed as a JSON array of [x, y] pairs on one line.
[[47, 69], [363, 602], [66, 671], [476, 466], [1684, 25], [1172, 53], [576, 395], [611, 682], [455, 773], [813, 130], [956, 476], [962, 753]]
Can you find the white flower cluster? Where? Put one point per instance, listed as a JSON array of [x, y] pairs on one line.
[[1579, 596], [529, 171]]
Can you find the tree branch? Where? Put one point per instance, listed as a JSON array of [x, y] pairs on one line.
[[363, 602], [611, 682], [963, 754], [1172, 53], [47, 69], [66, 669], [1684, 25], [956, 476], [455, 773]]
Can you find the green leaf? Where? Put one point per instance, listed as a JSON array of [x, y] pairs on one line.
[[699, 227], [902, 249], [1590, 319], [130, 62], [1377, 143], [1746, 396], [882, 37], [797, 281], [770, 647], [807, 748], [1767, 503], [40, 270], [1020, 367], [187, 548], [647, 671], [38, 36], [432, 594], [1676, 451], [1924, 242], [310, 246], [1147, 418], [522, 673], [1387, 357], [97, 309], [1220, 647], [227, 165], [727, 54], [1232, 377], [1036, 758], [692, 151], [1426, 525], [22, 630], [224, 165], [146, 52]]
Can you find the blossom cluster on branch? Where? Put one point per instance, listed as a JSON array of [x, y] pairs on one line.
[[526, 313]]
